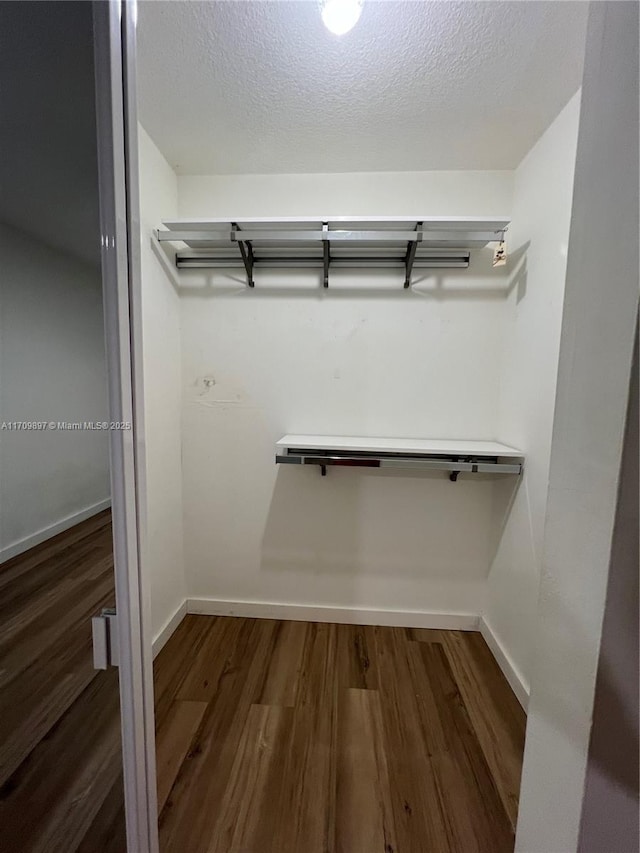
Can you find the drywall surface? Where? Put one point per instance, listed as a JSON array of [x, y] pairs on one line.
[[162, 515], [363, 358], [52, 369], [598, 328], [538, 240], [410, 194]]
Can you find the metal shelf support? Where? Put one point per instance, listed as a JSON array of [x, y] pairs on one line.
[[411, 256], [326, 258], [246, 251]]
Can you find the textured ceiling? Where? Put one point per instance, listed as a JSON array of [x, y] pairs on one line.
[[235, 87]]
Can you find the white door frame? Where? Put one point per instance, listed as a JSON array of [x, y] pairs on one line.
[[114, 40]]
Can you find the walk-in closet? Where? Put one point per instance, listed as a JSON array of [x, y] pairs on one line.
[[353, 261], [325, 539]]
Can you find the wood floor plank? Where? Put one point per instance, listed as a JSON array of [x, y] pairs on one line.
[[427, 635], [494, 711], [245, 824], [475, 816], [22, 564], [175, 660], [280, 685], [174, 739], [364, 812], [191, 813], [420, 821], [48, 805], [16, 595], [305, 813], [356, 657], [25, 603], [107, 833], [215, 659]]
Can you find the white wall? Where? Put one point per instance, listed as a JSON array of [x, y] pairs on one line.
[[52, 368], [538, 240], [288, 357], [347, 194], [162, 523], [598, 327]]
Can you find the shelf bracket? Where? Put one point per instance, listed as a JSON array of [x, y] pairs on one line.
[[411, 256], [246, 251], [325, 254]]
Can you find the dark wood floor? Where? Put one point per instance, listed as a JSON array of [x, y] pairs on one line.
[[292, 737], [272, 737], [60, 761]]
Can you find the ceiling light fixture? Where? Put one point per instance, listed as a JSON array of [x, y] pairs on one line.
[[340, 16]]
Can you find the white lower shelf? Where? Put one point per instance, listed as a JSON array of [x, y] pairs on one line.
[[451, 455]]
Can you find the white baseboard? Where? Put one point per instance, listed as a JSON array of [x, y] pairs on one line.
[[52, 530], [342, 615], [163, 635], [518, 684]]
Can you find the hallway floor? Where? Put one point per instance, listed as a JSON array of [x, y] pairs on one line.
[[60, 753], [294, 737]]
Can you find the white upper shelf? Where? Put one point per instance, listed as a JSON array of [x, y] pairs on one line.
[[460, 222], [425, 446], [376, 241], [340, 231]]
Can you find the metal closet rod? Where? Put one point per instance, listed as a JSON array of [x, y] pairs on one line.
[[186, 260]]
